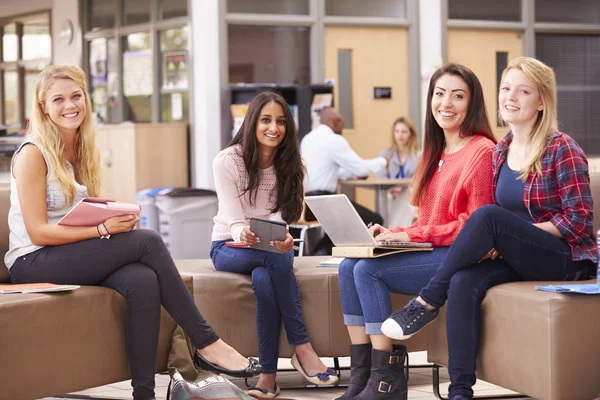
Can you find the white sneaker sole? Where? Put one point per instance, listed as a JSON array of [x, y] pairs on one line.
[[391, 329]]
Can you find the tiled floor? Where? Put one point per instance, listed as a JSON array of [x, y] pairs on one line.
[[420, 386]]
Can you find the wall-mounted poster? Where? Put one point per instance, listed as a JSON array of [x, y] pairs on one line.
[[175, 73], [137, 73]]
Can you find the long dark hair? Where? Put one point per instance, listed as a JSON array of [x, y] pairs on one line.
[[289, 169], [476, 123]]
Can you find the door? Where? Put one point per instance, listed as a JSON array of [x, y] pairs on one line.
[[376, 58], [486, 53]]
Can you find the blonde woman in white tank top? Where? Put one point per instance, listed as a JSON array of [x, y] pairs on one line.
[[59, 165]]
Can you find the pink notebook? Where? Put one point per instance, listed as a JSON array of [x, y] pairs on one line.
[[92, 211]]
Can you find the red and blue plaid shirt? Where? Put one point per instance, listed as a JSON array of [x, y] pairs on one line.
[[561, 194]]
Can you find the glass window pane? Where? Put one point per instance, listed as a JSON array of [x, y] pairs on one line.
[[9, 43], [175, 107], [576, 62], [30, 79], [487, 10], [36, 39], [11, 100], [361, 8], [269, 54], [136, 12], [113, 81], [174, 80], [99, 78], [173, 8], [575, 11], [297, 7], [102, 14], [137, 77]]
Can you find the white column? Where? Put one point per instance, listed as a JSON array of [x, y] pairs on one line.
[[431, 44], [66, 33], [209, 83]]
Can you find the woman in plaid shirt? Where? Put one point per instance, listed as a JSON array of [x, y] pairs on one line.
[[540, 227]]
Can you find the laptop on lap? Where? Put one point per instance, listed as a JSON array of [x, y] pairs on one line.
[[347, 231]]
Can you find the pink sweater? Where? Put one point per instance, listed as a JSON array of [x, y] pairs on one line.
[[461, 186], [234, 211]]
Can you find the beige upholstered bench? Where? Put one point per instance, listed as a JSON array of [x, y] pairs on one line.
[[227, 302], [541, 344]]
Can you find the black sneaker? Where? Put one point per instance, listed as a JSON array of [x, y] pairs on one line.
[[407, 321], [460, 397]]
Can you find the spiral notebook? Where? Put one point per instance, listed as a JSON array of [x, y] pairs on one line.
[[92, 211]]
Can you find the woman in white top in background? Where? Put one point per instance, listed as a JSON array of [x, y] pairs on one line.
[[402, 156]]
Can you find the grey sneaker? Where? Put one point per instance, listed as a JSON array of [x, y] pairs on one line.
[[407, 321]]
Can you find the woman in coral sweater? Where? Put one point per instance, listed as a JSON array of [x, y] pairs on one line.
[[453, 179]]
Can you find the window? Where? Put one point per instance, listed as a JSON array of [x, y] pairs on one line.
[[574, 11], [125, 69], [137, 77], [175, 75], [136, 12], [269, 54], [36, 39], [11, 98], [294, 7], [173, 8], [361, 8], [487, 10], [576, 62], [26, 50], [102, 14], [9, 43]]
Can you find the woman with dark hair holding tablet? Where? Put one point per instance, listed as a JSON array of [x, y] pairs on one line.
[[260, 175]]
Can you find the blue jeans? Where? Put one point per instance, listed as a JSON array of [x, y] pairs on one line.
[[365, 284], [528, 254], [276, 291]]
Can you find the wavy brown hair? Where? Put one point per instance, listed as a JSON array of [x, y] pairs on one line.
[[476, 123], [289, 170]]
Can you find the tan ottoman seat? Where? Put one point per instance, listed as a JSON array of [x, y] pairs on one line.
[[544, 345], [66, 342], [227, 302]]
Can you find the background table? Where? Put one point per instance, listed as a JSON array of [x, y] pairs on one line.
[[379, 185]]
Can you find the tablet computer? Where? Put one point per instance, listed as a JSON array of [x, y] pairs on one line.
[[267, 231]]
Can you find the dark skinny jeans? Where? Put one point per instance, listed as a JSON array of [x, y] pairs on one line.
[[528, 254], [138, 266]]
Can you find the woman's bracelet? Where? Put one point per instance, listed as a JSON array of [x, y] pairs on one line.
[[104, 234], [98, 229]]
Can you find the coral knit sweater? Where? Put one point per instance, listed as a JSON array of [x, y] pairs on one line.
[[456, 190]]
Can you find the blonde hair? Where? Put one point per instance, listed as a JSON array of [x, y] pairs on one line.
[[45, 132], [547, 119], [413, 142]]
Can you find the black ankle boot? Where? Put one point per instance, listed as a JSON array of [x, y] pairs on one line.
[[360, 368], [387, 380]]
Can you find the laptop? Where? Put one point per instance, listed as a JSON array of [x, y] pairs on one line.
[[341, 222]]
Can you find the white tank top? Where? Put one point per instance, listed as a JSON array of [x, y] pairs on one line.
[[56, 205]]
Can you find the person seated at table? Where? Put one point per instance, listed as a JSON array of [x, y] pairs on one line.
[[328, 157], [402, 157], [453, 179]]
